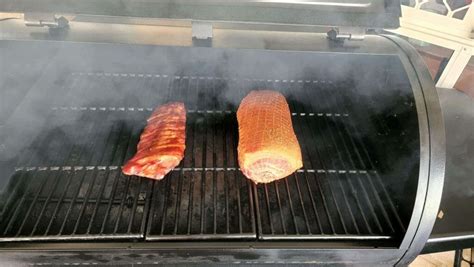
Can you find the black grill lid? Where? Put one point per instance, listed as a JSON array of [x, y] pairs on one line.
[[348, 13]]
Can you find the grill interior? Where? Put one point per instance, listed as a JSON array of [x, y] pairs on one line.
[[66, 183]]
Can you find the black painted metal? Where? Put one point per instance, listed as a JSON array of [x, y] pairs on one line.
[[453, 228], [198, 254], [460, 260], [432, 152], [457, 258], [354, 133]]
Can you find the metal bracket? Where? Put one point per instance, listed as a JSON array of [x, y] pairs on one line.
[[45, 20], [201, 30], [346, 33], [456, 65]]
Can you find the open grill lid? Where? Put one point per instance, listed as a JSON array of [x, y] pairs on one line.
[[345, 13]]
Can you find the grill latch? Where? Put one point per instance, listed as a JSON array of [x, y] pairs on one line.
[[347, 33], [46, 20]]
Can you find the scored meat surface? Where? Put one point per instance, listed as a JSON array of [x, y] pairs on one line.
[[162, 143], [268, 149]]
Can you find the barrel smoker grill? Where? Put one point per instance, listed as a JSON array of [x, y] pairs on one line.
[[366, 114], [362, 195]]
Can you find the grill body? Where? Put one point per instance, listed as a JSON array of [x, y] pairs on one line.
[[367, 118]]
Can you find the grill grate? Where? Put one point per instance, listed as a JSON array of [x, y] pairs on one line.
[[58, 203], [348, 205], [75, 205], [68, 184], [206, 203]]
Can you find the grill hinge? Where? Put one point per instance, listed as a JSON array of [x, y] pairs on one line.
[[201, 33], [45, 20], [201, 30], [347, 33]]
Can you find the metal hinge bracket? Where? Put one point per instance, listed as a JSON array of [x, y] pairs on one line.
[[347, 33], [201, 30], [46, 20]]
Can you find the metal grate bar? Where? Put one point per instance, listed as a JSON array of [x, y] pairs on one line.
[[381, 186], [191, 130], [34, 201], [300, 197], [291, 207], [77, 203], [167, 182], [56, 209], [122, 203], [315, 209], [361, 185], [310, 163], [17, 211], [177, 209], [134, 206], [330, 136], [214, 149], [232, 160], [329, 198], [89, 190], [223, 133], [349, 181], [148, 110], [315, 159], [19, 176], [10, 199], [279, 206], [328, 150], [341, 187], [130, 147], [203, 180], [177, 169], [110, 140], [205, 212], [10, 220], [190, 204], [324, 199], [45, 205], [83, 205], [324, 137], [97, 202], [71, 204], [109, 205], [345, 127], [270, 217], [78, 200]]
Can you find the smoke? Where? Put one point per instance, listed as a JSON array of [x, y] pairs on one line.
[[81, 88]]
